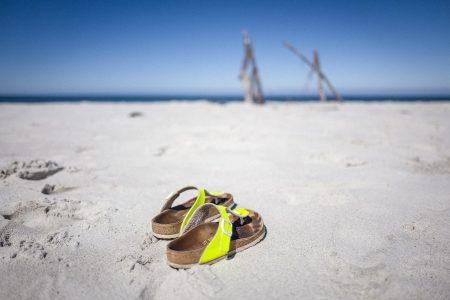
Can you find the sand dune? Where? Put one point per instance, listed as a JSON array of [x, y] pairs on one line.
[[355, 197]]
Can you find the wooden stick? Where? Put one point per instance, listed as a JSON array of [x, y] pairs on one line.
[[323, 97], [247, 87], [320, 74], [255, 82]]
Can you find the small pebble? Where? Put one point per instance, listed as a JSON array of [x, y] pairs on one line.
[[48, 189]]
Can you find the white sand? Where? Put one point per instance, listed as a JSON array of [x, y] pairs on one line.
[[356, 199]]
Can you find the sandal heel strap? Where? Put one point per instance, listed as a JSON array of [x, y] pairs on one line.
[[168, 201]]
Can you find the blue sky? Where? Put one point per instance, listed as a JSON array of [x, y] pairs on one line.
[[195, 47]]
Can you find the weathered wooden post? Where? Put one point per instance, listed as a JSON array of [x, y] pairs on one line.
[[323, 96], [253, 81]]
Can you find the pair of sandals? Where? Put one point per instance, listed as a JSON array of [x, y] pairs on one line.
[[206, 228]]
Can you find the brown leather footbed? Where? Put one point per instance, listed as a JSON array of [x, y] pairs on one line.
[[187, 249], [169, 221]]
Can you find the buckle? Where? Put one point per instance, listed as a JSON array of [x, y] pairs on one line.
[[223, 227]]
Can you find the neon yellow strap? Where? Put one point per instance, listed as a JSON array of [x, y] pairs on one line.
[[239, 212], [220, 244], [202, 193], [214, 193], [198, 202]]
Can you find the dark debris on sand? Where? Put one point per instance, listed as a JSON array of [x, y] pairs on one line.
[[48, 189], [31, 170], [135, 114]]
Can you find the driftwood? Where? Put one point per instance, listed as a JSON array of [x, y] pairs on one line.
[[251, 83], [315, 67]]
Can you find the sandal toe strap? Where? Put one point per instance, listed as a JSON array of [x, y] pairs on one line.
[[219, 245]]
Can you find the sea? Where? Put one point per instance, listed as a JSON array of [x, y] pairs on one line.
[[212, 98]]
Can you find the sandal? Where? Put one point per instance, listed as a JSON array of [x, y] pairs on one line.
[[204, 242], [168, 223]]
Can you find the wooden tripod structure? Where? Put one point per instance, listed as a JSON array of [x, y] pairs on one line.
[[252, 83], [315, 67]]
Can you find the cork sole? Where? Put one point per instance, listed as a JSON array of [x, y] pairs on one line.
[[261, 236]]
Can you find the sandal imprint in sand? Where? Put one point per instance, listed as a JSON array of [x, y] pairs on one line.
[[169, 222], [203, 242]]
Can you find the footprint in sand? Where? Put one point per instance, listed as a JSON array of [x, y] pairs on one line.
[[47, 215], [31, 170], [18, 241], [36, 225]]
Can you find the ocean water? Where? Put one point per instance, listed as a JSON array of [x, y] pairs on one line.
[[219, 99]]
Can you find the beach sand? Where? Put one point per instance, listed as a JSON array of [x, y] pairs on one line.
[[355, 197]]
